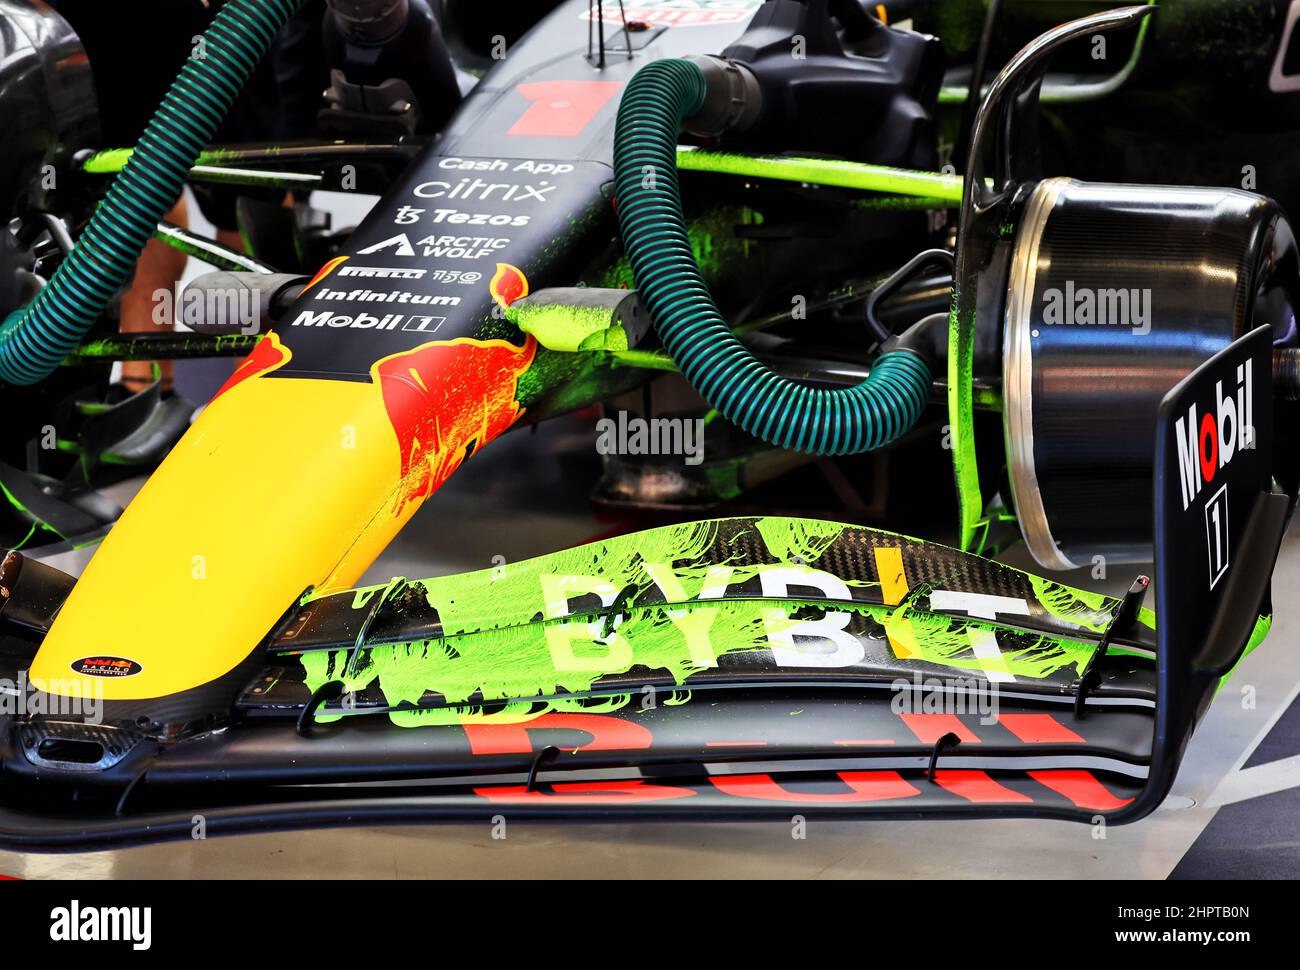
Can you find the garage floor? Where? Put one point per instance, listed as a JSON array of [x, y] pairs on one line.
[[1233, 812]]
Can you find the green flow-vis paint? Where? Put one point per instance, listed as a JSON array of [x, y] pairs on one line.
[[685, 605], [827, 171]]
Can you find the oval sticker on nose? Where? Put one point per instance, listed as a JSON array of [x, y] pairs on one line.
[[105, 667]]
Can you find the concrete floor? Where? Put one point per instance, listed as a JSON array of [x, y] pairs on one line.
[[526, 495]]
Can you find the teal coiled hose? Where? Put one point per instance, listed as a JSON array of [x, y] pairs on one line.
[[34, 340], [779, 411]]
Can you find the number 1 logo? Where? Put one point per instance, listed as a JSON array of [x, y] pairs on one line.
[[1216, 534], [561, 109]]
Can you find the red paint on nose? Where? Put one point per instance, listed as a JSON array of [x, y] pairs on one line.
[[446, 400], [266, 356]]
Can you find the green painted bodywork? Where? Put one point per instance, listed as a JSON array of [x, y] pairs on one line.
[[644, 360], [714, 244], [961, 424], [517, 666], [111, 161], [797, 540], [825, 171], [212, 166], [1263, 626], [531, 635], [569, 328], [126, 347], [108, 162]]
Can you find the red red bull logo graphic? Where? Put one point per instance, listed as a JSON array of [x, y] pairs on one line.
[[446, 400], [507, 285], [268, 355], [325, 271]]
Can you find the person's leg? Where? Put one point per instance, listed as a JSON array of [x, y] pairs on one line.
[[232, 238], [159, 268]]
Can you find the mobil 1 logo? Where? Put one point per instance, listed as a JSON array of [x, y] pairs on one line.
[[1214, 444]]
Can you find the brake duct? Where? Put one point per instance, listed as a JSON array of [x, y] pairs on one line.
[[1057, 278]]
